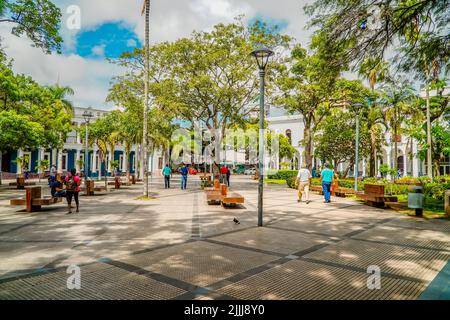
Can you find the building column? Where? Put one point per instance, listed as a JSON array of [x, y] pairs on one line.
[[59, 167], [377, 173], [404, 162], [54, 154], [415, 159], [78, 134], [94, 161], [389, 161], [124, 161], [110, 158], [40, 157], [364, 167], [77, 158], [19, 155]]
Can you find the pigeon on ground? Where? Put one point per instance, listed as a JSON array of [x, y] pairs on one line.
[[236, 221]]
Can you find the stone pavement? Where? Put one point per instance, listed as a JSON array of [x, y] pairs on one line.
[[177, 247]]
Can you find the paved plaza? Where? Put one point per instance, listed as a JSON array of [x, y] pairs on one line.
[[175, 246]]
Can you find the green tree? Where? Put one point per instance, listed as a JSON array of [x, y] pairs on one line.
[[396, 100], [369, 28], [309, 87], [39, 20], [18, 132], [335, 139]]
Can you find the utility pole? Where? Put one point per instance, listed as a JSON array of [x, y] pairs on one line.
[[146, 9]]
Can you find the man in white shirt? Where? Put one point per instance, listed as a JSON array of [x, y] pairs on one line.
[[303, 181]]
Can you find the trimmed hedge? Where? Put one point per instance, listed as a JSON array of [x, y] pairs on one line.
[[283, 174]]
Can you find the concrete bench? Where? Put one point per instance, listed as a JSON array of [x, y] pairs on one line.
[[33, 200], [373, 195]]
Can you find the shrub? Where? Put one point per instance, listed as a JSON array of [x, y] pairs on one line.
[[206, 184], [291, 182], [436, 190], [283, 174]]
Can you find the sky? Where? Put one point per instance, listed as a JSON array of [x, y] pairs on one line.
[[109, 27]]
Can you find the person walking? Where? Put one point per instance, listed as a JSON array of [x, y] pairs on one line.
[[72, 189], [327, 176], [167, 173], [304, 181], [228, 176], [223, 174], [184, 175]]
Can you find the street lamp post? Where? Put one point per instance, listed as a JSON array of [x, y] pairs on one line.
[[357, 107], [262, 56], [87, 115]]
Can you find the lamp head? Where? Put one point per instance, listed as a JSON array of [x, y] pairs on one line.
[[262, 56], [87, 114]]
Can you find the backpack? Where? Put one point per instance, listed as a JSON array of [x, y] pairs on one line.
[[71, 185]]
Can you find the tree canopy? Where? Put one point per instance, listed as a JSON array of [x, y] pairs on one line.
[[39, 20]]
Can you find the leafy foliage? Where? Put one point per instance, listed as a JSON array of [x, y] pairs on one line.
[[39, 20]]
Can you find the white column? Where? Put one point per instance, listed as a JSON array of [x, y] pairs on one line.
[[364, 167], [54, 154], [19, 155], [124, 161], [78, 134], [415, 159], [378, 168], [404, 161], [109, 160], [94, 162], [389, 161], [40, 157], [76, 160], [59, 168]]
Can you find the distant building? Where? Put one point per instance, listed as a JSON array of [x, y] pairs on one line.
[[74, 150]]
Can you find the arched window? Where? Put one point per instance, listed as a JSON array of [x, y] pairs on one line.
[[289, 135]]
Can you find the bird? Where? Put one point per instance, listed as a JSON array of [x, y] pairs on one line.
[[236, 221]]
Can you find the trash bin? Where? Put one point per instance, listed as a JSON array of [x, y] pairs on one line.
[[415, 200]]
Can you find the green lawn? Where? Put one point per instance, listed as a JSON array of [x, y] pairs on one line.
[[275, 181]]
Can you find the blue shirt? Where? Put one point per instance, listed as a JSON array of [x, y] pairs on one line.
[[327, 175], [184, 171], [167, 171]]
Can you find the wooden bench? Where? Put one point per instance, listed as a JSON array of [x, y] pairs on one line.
[[336, 190], [373, 195], [21, 184], [213, 194], [90, 188], [230, 198], [33, 200]]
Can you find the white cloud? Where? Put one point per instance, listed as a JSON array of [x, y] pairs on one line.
[[169, 21], [99, 50], [131, 43]]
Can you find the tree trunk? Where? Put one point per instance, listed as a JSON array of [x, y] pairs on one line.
[[146, 98], [127, 164], [429, 141], [307, 137], [345, 174], [1, 164], [373, 155], [396, 144]]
